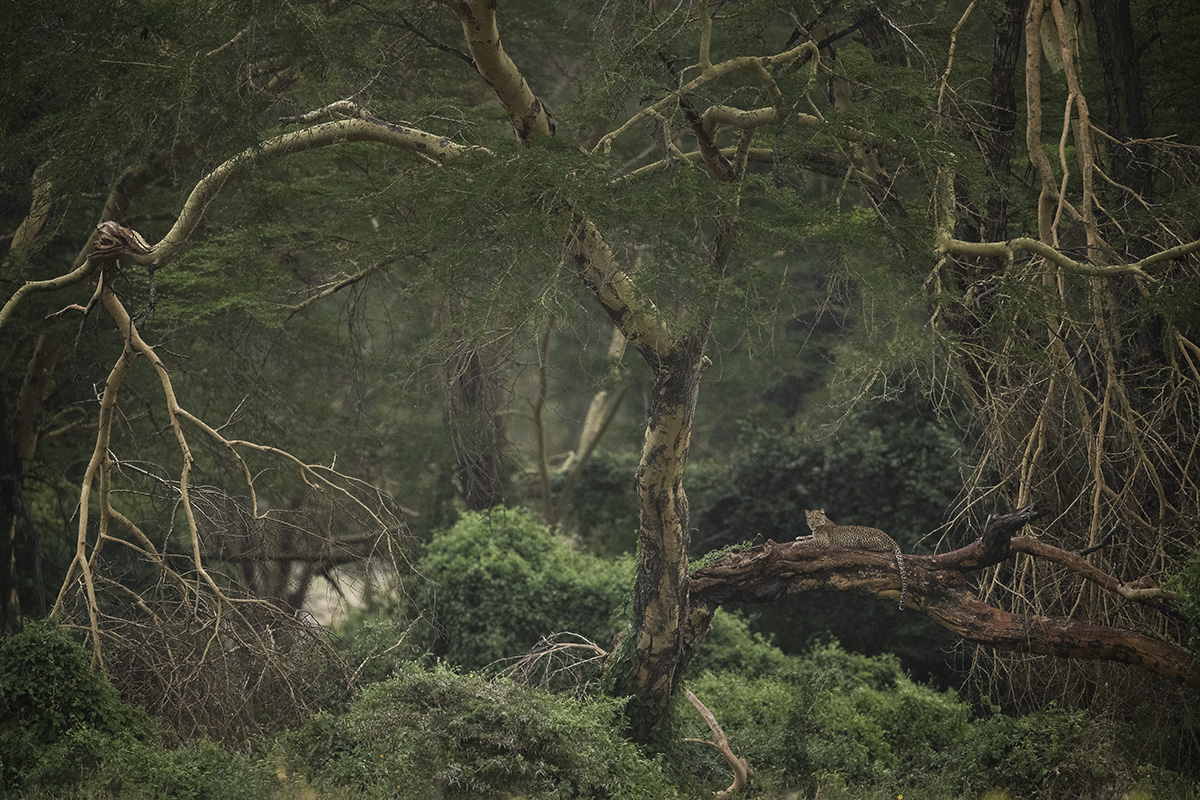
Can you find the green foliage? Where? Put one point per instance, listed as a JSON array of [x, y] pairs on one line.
[[732, 647], [849, 671], [438, 733], [48, 690], [503, 581], [1052, 750], [376, 642], [88, 763], [829, 723], [604, 502], [1187, 584], [839, 724]]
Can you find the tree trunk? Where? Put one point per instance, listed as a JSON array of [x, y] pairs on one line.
[[18, 443], [1131, 163], [660, 594], [475, 407], [10, 483]]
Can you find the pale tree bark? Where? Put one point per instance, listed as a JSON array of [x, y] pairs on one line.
[[88, 591], [676, 360]]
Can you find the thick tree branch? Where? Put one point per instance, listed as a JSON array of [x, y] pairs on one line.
[[436, 148], [478, 17], [634, 314], [938, 586]]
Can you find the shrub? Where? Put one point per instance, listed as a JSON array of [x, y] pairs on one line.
[[438, 733], [376, 642], [87, 763], [842, 718], [732, 647], [838, 668], [1187, 583], [48, 689], [766, 719], [503, 581], [1040, 753]]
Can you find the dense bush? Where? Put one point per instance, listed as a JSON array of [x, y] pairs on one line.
[[64, 732], [438, 733], [48, 689], [89, 764], [1187, 584], [840, 724], [829, 723], [502, 582], [731, 647]]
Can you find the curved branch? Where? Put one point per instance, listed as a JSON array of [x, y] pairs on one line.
[[740, 768], [77, 275], [1006, 249], [756, 64], [966, 615], [436, 148]]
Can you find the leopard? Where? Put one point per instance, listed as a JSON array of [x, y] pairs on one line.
[[827, 533]]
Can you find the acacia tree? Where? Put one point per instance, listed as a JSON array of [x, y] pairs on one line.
[[672, 183]]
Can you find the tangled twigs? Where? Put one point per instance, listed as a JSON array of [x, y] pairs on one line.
[[189, 632], [557, 656]]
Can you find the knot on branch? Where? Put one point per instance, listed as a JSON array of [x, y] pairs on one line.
[[114, 239], [999, 530]]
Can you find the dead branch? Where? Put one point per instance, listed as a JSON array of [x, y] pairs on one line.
[[559, 655], [741, 770], [196, 642]]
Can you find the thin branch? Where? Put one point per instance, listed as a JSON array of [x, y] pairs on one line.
[[945, 79], [438, 149], [539, 424], [333, 288], [348, 107], [77, 275], [755, 64], [408, 26], [1140, 268], [705, 37]]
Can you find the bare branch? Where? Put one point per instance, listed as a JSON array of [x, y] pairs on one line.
[[741, 770], [1006, 249], [438, 149]]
